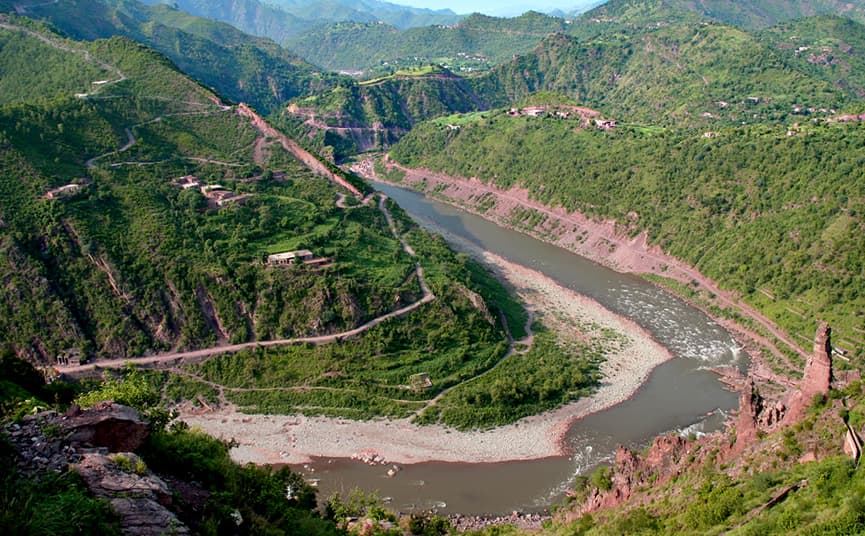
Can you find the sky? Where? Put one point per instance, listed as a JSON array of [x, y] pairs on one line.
[[498, 7]]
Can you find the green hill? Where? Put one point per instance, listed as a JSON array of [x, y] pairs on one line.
[[751, 207], [695, 74], [640, 15], [109, 250], [130, 262], [755, 15], [475, 43], [240, 67], [370, 115], [831, 48]]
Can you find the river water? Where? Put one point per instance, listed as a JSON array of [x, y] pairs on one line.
[[681, 395]]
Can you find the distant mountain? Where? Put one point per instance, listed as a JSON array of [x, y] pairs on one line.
[[239, 66], [748, 14], [284, 19], [475, 43], [400, 16]]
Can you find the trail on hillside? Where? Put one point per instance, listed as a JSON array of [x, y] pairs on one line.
[[173, 358], [301, 154], [60, 46]]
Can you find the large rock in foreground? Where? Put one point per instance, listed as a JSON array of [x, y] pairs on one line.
[[113, 426]]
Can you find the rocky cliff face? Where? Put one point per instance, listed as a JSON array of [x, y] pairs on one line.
[[670, 456], [818, 372], [665, 459]]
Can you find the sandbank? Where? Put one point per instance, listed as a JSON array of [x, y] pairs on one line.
[[293, 439]]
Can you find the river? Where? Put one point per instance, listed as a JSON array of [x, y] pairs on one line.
[[681, 395]]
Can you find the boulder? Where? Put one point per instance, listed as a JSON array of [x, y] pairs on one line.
[[113, 426]]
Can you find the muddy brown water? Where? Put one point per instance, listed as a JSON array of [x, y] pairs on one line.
[[681, 395]]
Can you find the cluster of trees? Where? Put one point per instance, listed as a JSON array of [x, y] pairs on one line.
[[549, 375]]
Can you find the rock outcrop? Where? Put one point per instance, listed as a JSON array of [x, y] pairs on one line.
[[137, 496], [113, 426], [818, 372], [83, 441], [755, 414], [632, 471], [817, 379]]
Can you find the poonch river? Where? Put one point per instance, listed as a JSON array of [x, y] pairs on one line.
[[682, 395]]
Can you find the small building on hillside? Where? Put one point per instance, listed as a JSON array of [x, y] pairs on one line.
[[290, 257], [605, 124], [71, 357], [220, 197], [64, 191], [300, 256], [187, 182]]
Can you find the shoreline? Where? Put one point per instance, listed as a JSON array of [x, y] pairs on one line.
[[295, 439], [598, 241]]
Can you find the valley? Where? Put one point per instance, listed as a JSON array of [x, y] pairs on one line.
[[615, 258]]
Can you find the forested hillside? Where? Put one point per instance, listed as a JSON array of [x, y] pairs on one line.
[[684, 74], [641, 15], [126, 261], [772, 212], [359, 117], [239, 66], [137, 215], [474, 44], [828, 47]]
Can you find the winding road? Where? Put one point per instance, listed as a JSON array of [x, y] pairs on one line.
[[173, 358]]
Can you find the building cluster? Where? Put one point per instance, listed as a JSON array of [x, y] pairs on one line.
[[586, 116], [217, 195]]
